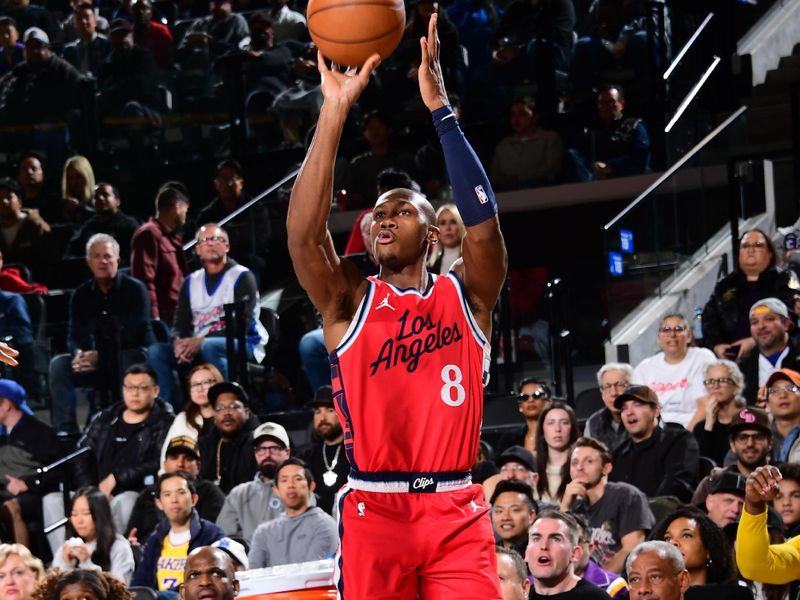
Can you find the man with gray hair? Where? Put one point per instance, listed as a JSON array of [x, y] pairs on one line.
[[605, 425], [656, 571], [513, 574], [110, 310]]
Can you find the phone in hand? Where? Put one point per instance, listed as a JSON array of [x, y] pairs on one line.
[[732, 352]]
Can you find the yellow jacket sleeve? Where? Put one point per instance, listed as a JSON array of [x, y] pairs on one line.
[[760, 561]]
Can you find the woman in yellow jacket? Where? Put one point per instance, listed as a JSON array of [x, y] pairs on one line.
[[759, 560]]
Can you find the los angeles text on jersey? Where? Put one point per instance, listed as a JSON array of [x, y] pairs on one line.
[[415, 337]]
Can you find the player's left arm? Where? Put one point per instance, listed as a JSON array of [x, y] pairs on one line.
[[484, 260]]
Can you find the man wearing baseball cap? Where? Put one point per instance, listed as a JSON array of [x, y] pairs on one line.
[[750, 439], [775, 349], [254, 502], [658, 461], [227, 459], [30, 444], [325, 453], [516, 463], [783, 402], [725, 498]]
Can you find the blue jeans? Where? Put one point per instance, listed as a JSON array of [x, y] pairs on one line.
[[161, 357], [314, 356]]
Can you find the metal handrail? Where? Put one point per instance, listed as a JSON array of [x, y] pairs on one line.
[[676, 61], [682, 161]]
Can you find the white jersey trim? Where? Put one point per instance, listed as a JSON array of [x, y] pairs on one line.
[[357, 322]]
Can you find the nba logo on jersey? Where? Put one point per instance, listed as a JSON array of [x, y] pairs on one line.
[[482, 197]]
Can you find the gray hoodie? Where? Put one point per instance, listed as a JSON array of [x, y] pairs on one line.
[[308, 536]]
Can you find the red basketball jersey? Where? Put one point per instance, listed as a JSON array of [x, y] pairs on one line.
[[408, 380]]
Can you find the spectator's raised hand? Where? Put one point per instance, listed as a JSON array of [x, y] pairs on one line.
[[760, 488], [8, 354]]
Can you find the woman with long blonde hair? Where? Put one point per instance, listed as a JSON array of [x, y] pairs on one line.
[[451, 234], [77, 186]]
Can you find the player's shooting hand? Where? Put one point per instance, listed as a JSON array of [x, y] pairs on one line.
[[431, 81], [760, 488], [344, 87], [8, 354]]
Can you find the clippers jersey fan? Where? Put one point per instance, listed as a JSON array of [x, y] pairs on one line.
[[408, 380]]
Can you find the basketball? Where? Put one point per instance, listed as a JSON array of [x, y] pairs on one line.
[[348, 32]]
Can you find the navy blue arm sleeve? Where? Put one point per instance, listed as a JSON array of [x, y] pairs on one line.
[[471, 188]]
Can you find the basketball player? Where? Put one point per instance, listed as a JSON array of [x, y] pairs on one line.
[[408, 353]]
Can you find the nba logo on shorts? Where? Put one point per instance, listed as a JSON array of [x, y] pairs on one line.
[[482, 197], [360, 509]]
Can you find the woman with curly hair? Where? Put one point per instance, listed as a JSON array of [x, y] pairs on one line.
[[20, 571], [556, 431], [705, 551], [91, 540], [81, 584]]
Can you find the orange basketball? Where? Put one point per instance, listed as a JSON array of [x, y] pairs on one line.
[[349, 31]]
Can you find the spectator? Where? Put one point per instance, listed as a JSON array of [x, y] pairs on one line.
[[715, 411], [605, 425], [303, 532], [553, 551], [81, 583], [361, 176], [705, 551], [246, 233], [769, 327], [287, 24], [228, 462], [69, 31], [618, 514], [758, 560], [197, 416], [516, 463], [513, 511], [11, 49], [725, 498], [620, 145], [236, 551], [77, 187], [513, 574], [676, 373], [157, 257], [92, 540], [27, 445], [531, 156], [108, 300], [20, 571], [23, 232], [182, 456], [658, 461], [90, 49], [127, 82], [326, 457], [27, 91], [179, 533], [557, 431], [125, 440], [254, 502], [750, 443], [199, 328], [108, 219], [28, 16], [726, 316], [787, 500], [614, 585], [15, 323], [224, 27], [150, 34], [534, 397], [11, 279], [209, 561], [783, 399], [656, 570], [451, 234]]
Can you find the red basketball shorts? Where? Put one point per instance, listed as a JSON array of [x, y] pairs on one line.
[[431, 546]]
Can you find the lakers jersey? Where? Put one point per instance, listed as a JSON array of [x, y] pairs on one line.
[[408, 380]]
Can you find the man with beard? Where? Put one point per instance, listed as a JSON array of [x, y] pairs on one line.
[[254, 502], [327, 460], [229, 463], [750, 438], [552, 554], [199, 328], [618, 514], [108, 219]]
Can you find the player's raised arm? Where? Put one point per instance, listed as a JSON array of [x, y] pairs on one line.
[[316, 264]]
